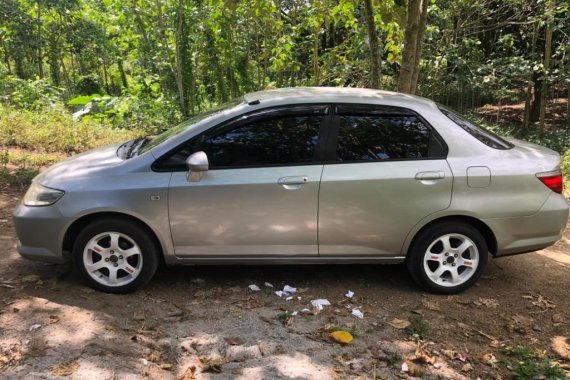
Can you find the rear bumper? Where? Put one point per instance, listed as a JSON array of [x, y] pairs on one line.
[[40, 232], [531, 233]]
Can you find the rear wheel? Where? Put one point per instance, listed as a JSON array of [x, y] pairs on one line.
[[115, 256], [448, 257]]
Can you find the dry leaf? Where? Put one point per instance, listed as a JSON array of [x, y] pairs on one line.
[[490, 360], [211, 364], [495, 343], [466, 368], [422, 357], [66, 368], [154, 357], [189, 374], [399, 323], [53, 319], [558, 318], [488, 302], [430, 305], [233, 341], [166, 366], [340, 336]]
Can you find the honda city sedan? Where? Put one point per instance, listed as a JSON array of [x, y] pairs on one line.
[[299, 176]]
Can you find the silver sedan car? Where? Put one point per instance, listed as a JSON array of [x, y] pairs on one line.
[[304, 176]]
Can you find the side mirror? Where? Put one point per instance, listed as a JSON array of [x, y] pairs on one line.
[[197, 164]]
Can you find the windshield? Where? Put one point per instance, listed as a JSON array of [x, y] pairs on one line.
[[153, 141], [486, 137]]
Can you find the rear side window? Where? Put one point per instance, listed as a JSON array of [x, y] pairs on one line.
[[486, 137], [385, 136]]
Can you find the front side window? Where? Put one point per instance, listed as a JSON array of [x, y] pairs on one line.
[[275, 141], [268, 140], [377, 137]]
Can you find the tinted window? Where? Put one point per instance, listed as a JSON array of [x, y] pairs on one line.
[[385, 137], [278, 140], [486, 137], [273, 141]]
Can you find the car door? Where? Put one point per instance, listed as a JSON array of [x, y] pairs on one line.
[[260, 194], [385, 171]]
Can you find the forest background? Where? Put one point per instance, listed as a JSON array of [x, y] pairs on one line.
[[136, 67]]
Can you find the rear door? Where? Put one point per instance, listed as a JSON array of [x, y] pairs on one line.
[[385, 171]]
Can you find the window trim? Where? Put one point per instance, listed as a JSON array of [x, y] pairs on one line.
[[323, 109], [371, 110]]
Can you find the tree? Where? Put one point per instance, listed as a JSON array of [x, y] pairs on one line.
[[416, 17]]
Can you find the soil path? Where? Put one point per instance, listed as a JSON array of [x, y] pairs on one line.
[[205, 323]]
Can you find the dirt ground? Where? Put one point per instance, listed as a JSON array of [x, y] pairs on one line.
[[205, 322]]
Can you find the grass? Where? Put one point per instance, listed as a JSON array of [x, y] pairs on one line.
[[55, 131], [532, 364], [419, 328]]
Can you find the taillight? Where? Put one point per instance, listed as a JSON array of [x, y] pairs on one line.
[[553, 180]]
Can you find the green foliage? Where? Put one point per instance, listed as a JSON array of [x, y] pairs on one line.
[[532, 364], [419, 328], [54, 130], [21, 177], [28, 94]]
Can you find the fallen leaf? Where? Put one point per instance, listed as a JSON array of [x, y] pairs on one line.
[[466, 368], [53, 319], [488, 302], [189, 374], [342, 337], [421, 356], [30, 278], [490, 360], [166, 366], [66, 368], [233, 341], [495, 343], [399, 323], [211, 364], [431, 305], [558, 318], [262, 348]]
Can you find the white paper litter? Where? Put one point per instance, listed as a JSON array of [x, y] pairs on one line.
[[405, 367], [280, 293], [357, 313], [320, 303], [269, 285], [294, 313], [305, 310], [299, 298], [35, 327], [289, 289], [254, 288], [289, 298], [349, 294]]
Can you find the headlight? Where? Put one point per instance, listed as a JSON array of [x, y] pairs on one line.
[[38, 195]]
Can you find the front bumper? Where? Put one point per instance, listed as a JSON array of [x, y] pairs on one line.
[[40, 232], [531, 233]]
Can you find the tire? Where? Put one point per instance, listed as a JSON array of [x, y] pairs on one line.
[[115, 255], [448, 257]]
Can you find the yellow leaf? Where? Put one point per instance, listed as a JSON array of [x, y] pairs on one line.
[[340, 336]]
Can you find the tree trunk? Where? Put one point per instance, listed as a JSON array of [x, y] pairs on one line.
[[409, 70], [373, 43], [534, 114], [528, 97], [547, 53], [179, 63], [419, 44], [316, 57], [39, 40], [124, 81]]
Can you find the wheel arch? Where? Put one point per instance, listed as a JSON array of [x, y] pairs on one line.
[[75, 228], [483, 228]]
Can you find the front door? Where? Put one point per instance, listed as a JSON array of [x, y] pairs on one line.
[[260, 196]]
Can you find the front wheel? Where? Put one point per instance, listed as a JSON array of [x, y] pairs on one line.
[[448, 257], [115, 256]]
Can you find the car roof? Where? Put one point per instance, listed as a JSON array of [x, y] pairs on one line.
[[336, 95]]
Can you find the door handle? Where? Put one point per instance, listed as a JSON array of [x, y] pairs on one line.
[[428, 176], [300, 180]]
